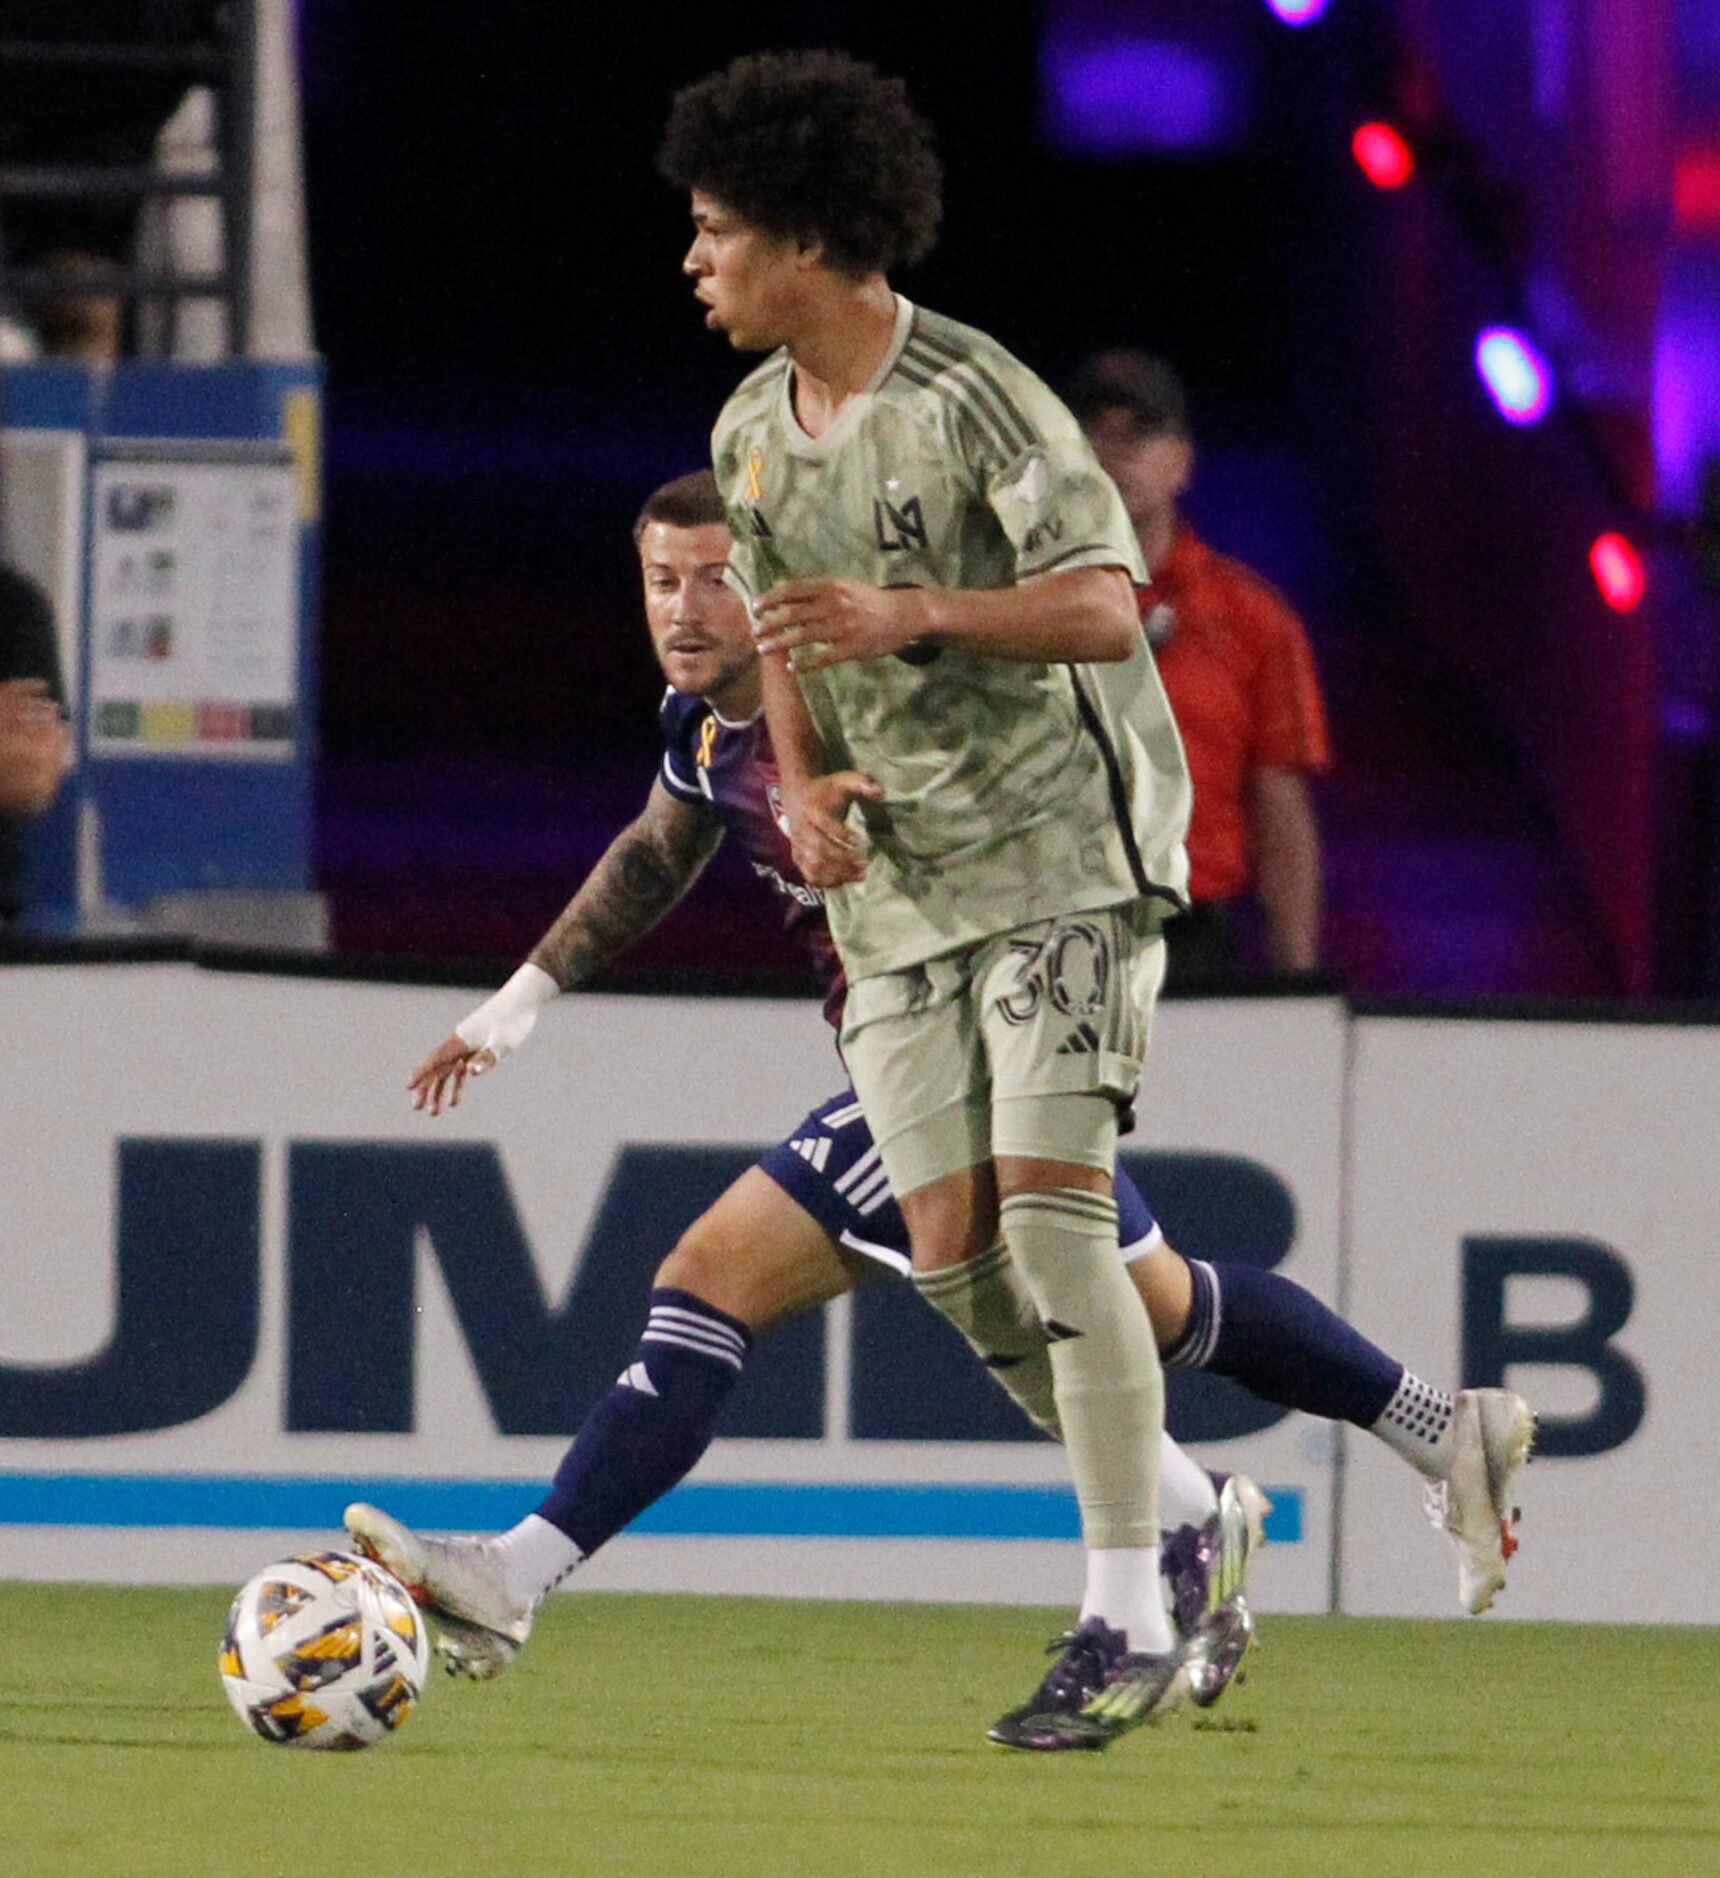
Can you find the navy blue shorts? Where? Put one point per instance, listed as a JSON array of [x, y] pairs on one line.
[[830, 1166]]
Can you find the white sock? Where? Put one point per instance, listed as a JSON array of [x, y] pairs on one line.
[[1123, 1590], [535, 1557], [1416, 1423], [1187, 1496]]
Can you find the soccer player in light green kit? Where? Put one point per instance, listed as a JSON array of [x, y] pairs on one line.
[[943, 584]]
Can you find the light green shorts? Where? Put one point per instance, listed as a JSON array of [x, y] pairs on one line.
[[954, 1060]]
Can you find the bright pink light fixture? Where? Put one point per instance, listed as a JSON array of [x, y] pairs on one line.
[[1385, 159], [1617, 568]]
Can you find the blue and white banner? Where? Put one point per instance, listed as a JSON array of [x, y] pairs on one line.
[[241, 1282]]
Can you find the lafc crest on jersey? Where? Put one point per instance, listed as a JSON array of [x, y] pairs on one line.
[[900, 524]]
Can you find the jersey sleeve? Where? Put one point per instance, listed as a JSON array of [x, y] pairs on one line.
[[1038, 475], [680, 720]]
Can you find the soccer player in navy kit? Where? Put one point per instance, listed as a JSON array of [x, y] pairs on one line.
[[813, 1217]]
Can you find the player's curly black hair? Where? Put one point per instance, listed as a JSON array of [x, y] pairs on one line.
[[812, 146]]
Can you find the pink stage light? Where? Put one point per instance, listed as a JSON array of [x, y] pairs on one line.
[[1617, 568], [1298, 12], [1385, 159], [1696, 191]]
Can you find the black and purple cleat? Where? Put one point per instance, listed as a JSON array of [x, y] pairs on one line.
[[1087, 1659]]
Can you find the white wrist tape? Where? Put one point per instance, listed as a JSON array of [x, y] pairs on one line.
[[504, 1021]]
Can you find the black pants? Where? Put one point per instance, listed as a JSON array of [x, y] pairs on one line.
[[1200, 947]]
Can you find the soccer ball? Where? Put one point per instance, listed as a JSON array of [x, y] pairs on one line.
[[324, 1651]]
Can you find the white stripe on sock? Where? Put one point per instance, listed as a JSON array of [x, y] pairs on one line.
[[702, 1349], [696, 1320], [710, 1334], [703, 1333], [1202, 1355]]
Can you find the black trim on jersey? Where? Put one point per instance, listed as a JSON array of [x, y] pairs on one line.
[[993, 433], [974, 394], [981, 370], [1089, 547], [1119, 797], [1012, 411], [915, 376], [946, 358]]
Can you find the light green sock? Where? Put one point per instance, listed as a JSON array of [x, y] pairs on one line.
[[987, 1301], [1110, 1398], [1109, 1388]]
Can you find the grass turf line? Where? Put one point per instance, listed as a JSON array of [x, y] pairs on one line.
[[749, 1736]]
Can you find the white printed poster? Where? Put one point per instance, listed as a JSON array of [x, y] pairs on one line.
[[194, 609]]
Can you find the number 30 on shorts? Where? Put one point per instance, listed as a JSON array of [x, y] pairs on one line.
[[1072, 968]]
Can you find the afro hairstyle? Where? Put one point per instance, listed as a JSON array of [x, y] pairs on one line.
[[812, 146]]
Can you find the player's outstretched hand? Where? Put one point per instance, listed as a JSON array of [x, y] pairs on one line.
[[828, 852], [495, 1029], [442, 1074], [827, 622]]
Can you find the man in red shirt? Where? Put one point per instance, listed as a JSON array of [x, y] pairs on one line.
[[1236, 663]]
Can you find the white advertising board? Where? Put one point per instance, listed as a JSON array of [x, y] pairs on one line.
[[240, 1280], [1539, 1200]]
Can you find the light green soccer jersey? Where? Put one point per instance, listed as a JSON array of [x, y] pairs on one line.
[[1014, 791]]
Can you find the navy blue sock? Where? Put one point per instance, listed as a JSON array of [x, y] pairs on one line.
[[1281, 1343], [648, 1432]]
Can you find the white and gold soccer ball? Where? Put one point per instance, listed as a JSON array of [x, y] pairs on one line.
[[325, 1650]]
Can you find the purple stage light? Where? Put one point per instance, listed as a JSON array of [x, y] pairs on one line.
[[1124, 96], [1518, 379], [1687, 374], [1298, 12]]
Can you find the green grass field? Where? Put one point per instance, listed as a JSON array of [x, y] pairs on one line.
[[715, 1736]]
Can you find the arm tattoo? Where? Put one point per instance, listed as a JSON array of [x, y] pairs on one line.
[[640, 877]]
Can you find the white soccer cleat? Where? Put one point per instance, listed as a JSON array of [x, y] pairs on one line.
[[1242, 1509], [471, 1650], [1223, 1635], [1492, 1434], [480, 1624]]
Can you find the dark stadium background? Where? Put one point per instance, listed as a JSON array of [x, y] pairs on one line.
[[514, 361]]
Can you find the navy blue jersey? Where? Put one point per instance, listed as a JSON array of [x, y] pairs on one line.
[[731, 769]]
